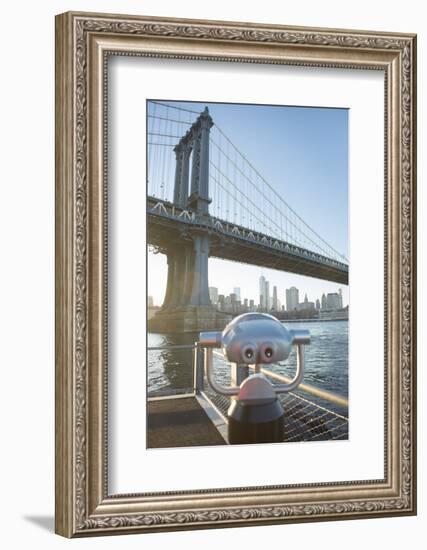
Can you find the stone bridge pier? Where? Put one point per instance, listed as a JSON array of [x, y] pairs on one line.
[[187, 306]]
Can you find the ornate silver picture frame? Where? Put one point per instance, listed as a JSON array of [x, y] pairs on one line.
[[84, 44]]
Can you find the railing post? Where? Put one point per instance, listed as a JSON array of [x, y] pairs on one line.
[[198, 369]]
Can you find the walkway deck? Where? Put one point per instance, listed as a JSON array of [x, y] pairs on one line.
[[180, 422], [187, 420]]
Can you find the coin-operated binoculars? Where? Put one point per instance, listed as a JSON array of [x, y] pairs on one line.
[[256, 414]]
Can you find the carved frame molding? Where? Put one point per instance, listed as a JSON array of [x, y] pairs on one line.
[[83, 43]]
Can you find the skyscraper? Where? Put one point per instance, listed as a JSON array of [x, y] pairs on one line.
[[262, 300], [275, 301], [213, 294], [267, 296], [264, 293], [292, 298], [236, 291], [333, 301], [324, 305]]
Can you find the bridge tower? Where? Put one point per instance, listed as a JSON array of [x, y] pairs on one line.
[[187, 306]]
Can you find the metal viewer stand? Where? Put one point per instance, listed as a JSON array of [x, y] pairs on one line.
[[256, 414]]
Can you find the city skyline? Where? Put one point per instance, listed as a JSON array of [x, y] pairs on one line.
[[331, 300], [249, 287]]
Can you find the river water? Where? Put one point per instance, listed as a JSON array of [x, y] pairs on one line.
[[326, 360]]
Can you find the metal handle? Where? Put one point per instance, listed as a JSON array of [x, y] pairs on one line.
[[234, 390], [261, 332], [231, 390], [295, 382], [300, 336]]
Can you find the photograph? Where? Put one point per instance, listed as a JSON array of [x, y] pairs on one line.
[[247, 273]]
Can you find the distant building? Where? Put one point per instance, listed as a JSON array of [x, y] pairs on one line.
[[251, 304], [305, 305], [324, 305], [267, 296], [245, 303], [333, 301], [275, 300], [317, 303], [151, 308], [339, 315], [292, 298], [340, 295], [229, 304], [262, 292], [236, 291], [213, 294]]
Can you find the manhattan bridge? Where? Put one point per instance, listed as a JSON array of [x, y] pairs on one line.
[[206, 199]]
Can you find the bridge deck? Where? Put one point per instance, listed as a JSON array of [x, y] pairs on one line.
[[169, 224]]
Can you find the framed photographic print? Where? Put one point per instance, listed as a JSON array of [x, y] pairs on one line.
[[235, 274]]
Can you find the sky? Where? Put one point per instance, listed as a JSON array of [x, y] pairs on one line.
[[303, 154]]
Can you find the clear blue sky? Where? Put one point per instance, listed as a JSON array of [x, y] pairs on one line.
[[303, 153]]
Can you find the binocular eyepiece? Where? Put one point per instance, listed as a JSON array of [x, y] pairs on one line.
[[255, 338]]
